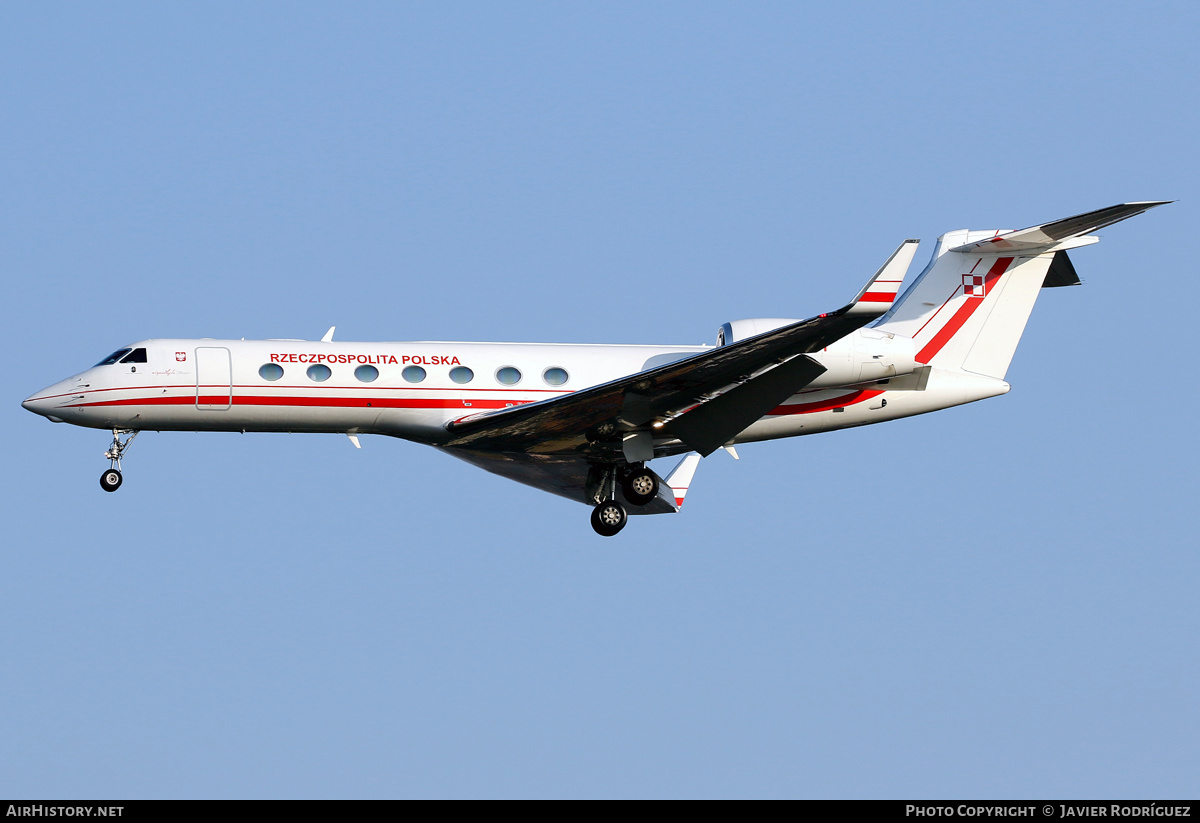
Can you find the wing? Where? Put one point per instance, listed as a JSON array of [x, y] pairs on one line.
[[697, 403]]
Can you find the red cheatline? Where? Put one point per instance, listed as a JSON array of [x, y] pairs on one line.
[[336, 402], [826, 405]]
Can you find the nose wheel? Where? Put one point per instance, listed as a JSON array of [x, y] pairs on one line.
[[609, 518], [110, 481]]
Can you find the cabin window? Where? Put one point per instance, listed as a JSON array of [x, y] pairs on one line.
[[135, 356], [555, 376], [413, 374], [270, 371], [509, 376], [318, 373], [366, 374], [461, 374], [114, 357]]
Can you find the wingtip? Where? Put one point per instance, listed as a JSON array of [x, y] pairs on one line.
[[1143, 206], [879, 294]]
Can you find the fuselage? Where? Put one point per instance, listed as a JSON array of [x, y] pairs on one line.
[[413, 390], [584, 421]]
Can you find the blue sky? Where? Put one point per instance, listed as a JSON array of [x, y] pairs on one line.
[[997, 600]]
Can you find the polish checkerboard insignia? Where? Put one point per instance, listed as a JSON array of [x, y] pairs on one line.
[[973, 285]]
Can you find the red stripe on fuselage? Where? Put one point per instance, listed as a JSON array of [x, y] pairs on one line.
[[296, 401], [192, 386], [826, 405], [419, 403]]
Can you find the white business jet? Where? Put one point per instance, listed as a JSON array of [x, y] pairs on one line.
[[583, 421]]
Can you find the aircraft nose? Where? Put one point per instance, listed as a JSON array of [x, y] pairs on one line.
[[43, 402], [33, 403]]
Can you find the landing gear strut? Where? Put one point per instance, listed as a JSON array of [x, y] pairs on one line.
[[110, 481], [639, 486], [609, 516]]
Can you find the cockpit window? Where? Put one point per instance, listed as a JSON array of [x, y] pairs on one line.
[[114, 357], [135, 356]]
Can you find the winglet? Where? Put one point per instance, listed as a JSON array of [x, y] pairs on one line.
[[681, 477], [328, 338], [1060, 234], [880, 292]]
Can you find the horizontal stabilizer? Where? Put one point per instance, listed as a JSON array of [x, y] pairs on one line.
[[1052, 236], [880, 292]]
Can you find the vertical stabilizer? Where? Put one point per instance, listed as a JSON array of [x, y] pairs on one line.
[[967, 310]]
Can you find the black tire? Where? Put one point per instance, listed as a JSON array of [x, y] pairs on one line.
[[609, 518], [601, 432], [640, 486], [110, 481]]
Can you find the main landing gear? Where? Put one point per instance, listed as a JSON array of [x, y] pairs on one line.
[[110, 481], [639, 485], [609, 518]]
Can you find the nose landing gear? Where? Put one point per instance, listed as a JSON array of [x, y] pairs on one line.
[[110, 481]]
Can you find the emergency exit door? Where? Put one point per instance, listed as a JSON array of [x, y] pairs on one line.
[[214, 379]]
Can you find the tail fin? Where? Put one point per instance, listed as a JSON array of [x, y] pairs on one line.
[[967, 309]]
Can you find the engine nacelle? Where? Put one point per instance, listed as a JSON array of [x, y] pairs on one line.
[[860, 357], [864, 356], [741, 329]]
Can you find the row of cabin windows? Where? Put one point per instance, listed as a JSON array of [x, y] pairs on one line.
[[319, 373], [508, 375]]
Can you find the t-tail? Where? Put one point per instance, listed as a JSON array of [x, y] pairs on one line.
[[966, 311]]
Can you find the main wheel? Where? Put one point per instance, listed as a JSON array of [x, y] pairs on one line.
[[110, 481], [609, 518], [640, 486], [600, 431]]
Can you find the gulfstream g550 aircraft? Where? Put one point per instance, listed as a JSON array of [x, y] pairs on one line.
[[582, 421]]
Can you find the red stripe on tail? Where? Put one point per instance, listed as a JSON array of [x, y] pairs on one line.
[[963, 314]]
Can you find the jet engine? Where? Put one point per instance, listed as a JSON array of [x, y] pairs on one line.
[[860, 357], [737, 330], [864, 356]]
